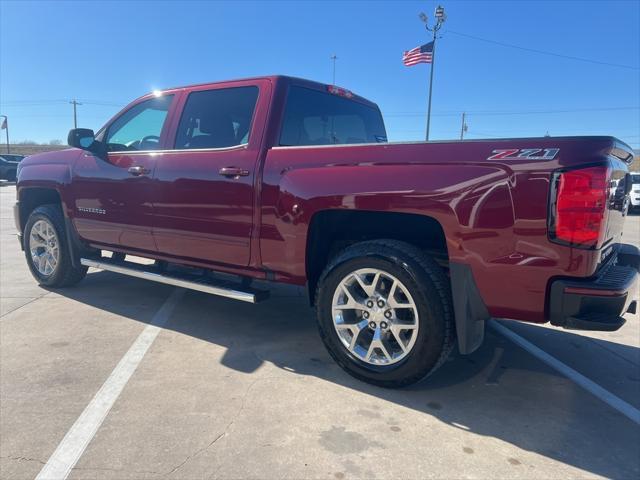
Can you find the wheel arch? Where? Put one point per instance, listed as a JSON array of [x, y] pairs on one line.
[[333, 230], [31, 197]]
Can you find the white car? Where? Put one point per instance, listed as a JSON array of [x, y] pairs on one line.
[[635, 190]]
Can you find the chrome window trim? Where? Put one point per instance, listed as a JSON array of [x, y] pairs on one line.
[[174, 150]]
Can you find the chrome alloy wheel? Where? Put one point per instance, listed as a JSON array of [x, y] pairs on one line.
[[44, 247], [375, 316]]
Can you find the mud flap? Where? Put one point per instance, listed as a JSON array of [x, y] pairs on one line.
[[469, 308]]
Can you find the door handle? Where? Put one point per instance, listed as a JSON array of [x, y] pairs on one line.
[[138, 170], [234, 172]]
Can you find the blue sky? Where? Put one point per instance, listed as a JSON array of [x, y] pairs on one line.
[[107, 53]]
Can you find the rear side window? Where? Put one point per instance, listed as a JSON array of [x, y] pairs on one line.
[[317, 118], [218, 118]]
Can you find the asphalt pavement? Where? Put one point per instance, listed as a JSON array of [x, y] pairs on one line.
[[135, 380]]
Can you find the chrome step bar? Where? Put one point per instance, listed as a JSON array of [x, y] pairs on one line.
[[201, 284]]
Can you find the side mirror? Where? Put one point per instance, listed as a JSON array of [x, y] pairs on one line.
[[82, 138], [85, 139]]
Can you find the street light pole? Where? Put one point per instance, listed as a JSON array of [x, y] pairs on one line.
[[6, 127], [440, 19], [433, 64], [75, 103], [334, 57]]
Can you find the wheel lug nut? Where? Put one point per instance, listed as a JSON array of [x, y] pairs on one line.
[[365, 314], [369, 304], [387, 314], [383, 325], [381, 303], [372, 324]]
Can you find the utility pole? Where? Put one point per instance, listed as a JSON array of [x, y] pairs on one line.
[[334, 57], [75, 103], [440, 19], [5, 126], [464, 127]]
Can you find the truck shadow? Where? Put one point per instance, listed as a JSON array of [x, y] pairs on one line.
[[500, 391]]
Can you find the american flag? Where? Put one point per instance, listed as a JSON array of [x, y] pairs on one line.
[[422, 54]]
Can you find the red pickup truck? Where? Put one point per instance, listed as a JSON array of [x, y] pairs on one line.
[[405, 248]]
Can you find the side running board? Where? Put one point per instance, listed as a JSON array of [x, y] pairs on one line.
[[179, 279]]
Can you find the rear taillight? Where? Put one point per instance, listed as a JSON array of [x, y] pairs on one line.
[[580, 206]]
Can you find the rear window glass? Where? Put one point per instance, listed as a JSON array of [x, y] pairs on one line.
[[318, 118], [219, 118]]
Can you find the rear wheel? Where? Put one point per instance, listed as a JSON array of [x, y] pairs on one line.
[[46, 249], [385, 314]]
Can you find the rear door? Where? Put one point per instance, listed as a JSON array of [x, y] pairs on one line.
[[205, 183], [112, 193]]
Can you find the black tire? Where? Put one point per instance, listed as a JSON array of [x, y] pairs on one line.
[[431, 291], [64, 274]]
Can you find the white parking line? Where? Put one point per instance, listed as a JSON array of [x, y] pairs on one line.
[[85, 427], [609, 398]]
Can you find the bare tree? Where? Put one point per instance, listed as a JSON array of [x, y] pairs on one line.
[[55, 141]]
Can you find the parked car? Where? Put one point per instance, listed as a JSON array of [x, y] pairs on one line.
[[405, 248], [635, 190], [9, 165]]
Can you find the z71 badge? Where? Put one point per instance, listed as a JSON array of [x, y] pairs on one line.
[[525, 154]]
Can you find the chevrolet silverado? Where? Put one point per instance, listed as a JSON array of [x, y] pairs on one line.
[[406, 249]]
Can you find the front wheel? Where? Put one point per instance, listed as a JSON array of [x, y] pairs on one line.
[[46, 251], [385, 313]]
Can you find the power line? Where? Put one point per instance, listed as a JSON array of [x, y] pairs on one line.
[[38, 103], [515, 112], [543, 52], [29, 103]]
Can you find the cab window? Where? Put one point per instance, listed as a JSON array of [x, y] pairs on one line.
[[139, 128], [219, 118], [318, 118]]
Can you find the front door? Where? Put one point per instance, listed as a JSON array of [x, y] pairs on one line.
[[112, 193], [204, 202]]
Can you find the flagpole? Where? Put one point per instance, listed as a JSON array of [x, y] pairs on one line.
[[440, 18], [433, 64]]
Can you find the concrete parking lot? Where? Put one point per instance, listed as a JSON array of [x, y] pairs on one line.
[[230, 390]]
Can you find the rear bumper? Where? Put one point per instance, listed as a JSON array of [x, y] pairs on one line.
[[600, 302]]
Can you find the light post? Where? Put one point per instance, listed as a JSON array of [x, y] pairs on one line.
[[440, 16], [5, 126], [334, 57]]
